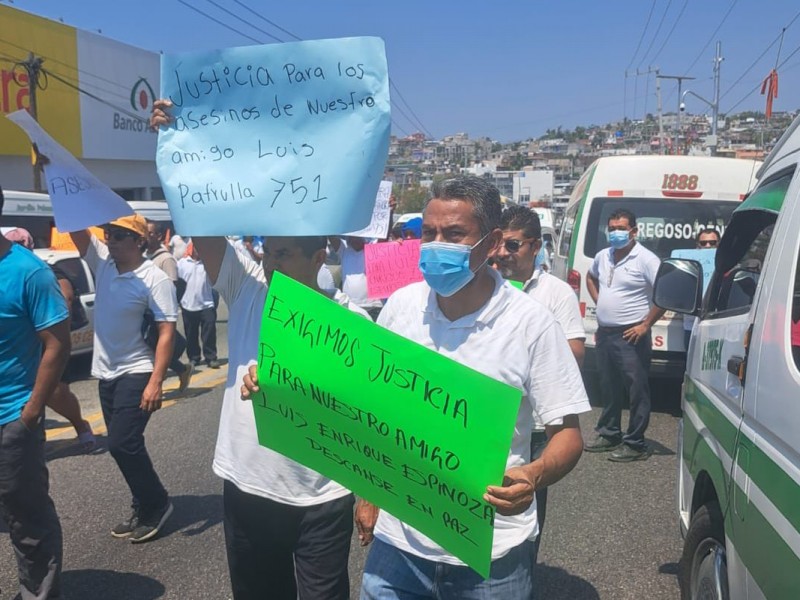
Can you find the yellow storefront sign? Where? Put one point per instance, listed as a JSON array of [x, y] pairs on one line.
[[58, 104]]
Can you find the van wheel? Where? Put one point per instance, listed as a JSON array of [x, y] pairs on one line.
[[704, 564]]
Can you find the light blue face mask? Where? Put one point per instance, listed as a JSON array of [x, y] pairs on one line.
[[445, 266], [618, 239]]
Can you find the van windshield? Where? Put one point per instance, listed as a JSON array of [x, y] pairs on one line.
[[664, 225], [39, 227]]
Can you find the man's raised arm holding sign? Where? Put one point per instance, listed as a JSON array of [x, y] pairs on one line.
[[287, 528]]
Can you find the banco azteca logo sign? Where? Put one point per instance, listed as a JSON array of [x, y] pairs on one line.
[[142, 96]]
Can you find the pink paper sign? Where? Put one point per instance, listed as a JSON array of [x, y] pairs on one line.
[[390, 266]]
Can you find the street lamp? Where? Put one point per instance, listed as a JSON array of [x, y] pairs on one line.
[[714, 113]]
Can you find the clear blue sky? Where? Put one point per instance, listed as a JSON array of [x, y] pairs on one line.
[[506, 70]]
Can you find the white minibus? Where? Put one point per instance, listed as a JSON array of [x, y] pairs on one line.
[[673, 198]]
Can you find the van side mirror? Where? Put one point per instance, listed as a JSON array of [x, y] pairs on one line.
[[679, 286]]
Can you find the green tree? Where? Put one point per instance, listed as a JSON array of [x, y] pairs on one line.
[[411, 198]]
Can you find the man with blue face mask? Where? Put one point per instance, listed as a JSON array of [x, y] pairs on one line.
[[620, 282], [466, 311]]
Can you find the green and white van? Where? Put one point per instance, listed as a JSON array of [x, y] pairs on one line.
[[739, 440], [673, 198]]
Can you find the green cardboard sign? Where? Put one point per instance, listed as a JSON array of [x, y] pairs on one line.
[[414, 432]]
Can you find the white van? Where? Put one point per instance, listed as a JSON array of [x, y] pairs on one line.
[[739, 441], [673, 197], [34, 212]]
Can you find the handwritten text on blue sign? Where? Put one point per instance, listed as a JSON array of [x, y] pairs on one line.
[[281, 139]]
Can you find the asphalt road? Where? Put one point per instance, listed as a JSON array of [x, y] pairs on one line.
[[611, 529]]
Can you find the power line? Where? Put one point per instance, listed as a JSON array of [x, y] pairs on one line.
[[86, 84], [94, 97], [68, 66], [760, 56], [655, 36], [411, 110], [265, 19], [405, 114], [641, 37], [242, 20], [235, 30], [217, 21], [669, 35], [711, 37], [758, 85]]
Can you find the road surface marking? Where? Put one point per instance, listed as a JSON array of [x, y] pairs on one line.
[[207, 378]]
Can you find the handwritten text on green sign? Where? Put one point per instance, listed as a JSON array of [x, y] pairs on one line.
[[402, 426]]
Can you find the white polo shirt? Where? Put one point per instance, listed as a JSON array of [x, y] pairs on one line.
[[625, 288], [513, 339], [120, 304], [560, 299], [238, 457], [198, 289]]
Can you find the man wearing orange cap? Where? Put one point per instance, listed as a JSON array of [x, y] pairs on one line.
[[131, 375]]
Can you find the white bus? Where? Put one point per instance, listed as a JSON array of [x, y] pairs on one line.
[[673, 197]]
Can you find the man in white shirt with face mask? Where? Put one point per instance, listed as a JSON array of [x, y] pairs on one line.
[[620, 281], [467, 312]]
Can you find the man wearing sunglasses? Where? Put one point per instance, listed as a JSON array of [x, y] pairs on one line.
[[620, 281], [516, 260], [130, 374], [707, 239]]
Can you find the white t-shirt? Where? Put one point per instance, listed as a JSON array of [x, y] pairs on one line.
[[354, 277], [198, 289], [560, 299], [120, 304], [625, 288], [239, 458], [512, 339]]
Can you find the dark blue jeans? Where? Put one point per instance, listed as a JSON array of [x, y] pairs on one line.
[[126, 422], [623, 367], [29, 512], [391, 574]]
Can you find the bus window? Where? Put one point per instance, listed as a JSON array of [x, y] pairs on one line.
[[663, 225], [567, 227]]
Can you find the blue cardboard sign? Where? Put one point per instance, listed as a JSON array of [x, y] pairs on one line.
[[279, 139], [704, 257]]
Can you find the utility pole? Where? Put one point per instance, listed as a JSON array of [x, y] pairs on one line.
[[680, 79], [660, 120], [33, 68], [712, 143], [715, 107]]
